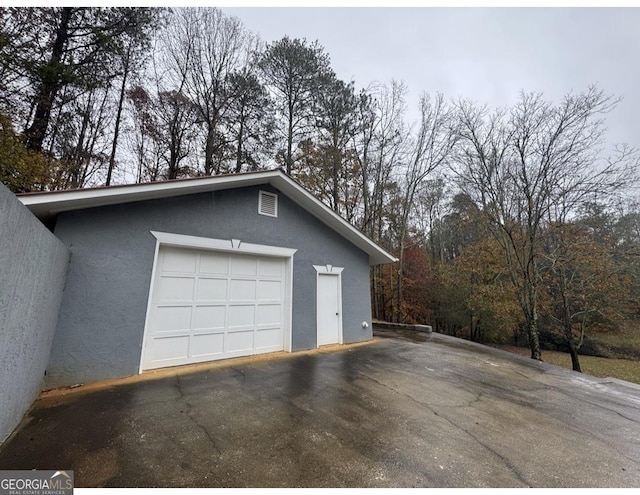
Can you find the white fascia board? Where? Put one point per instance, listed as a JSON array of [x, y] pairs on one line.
[[44, 205], [224, 245], [295, 192]]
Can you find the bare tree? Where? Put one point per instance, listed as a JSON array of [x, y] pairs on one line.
[[584, 284], [146, 139], [166, 133], [131, 49], [177, 119], [202, 49], [430, 149], [81, 140], [380, 145], [523, 164], [366, 121]]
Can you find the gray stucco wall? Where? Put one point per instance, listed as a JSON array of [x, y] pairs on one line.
[[102, 316], [33, 266]]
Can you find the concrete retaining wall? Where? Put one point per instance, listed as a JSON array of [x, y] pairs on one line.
[[403, 326], [33, 267], [420, 333]]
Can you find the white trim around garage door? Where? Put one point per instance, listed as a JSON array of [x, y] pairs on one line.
[[226, 246]]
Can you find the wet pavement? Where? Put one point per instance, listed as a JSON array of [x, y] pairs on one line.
[[393, 413]]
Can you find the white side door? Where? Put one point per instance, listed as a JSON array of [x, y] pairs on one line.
[[329, 306]]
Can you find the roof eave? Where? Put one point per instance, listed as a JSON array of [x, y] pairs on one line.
[[45, 206], [48, 204], [297, 193]]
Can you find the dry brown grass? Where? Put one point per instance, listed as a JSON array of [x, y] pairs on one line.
[[624, 369]]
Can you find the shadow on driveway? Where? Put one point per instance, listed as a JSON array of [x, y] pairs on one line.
[[394, 413]]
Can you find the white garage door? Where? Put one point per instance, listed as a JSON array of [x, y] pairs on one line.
[[208, 305]]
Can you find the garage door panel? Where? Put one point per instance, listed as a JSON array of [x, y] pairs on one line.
[[269, 290], [209, 305], [209, 317], [172, 288], [241, 316], [243, 265], [172, 318], [179, 260], [269, 314], [170, 348], [270, 267], [242, 290], [207, 344], [240, 341], [268, 338], [212, 289], [214, 263]]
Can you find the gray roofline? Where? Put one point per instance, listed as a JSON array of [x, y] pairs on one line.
[[46, 205]]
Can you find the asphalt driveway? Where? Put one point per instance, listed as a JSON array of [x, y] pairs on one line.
[[443, 413]]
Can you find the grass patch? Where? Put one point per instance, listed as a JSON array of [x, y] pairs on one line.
[[626, 336], [627, 339], [623, 369]]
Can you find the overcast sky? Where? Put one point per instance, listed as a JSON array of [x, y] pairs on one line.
[[486, 54]]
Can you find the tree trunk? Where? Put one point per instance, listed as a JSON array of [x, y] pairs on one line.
[[208, 150], [77, 158], [93, 138], [116, 130], [527, 298], [49, 85], [289, 157], [474, 328], [173, 159], [398, 312], [375, 289], [239, 147], [408, 199], [400, 281], [575, 362], [534, 337], [567, 321], [56, 125], [568, 329], [364, 166], [336, 178]]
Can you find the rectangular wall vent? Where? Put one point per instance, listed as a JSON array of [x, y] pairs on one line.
[[268, 204]]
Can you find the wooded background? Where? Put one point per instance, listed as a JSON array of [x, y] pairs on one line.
[[510, 224]]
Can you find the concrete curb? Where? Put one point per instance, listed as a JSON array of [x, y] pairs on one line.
[[385, 325], [416, 333], [158, 374]]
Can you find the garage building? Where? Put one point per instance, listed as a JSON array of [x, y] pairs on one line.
[[186, 271]]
